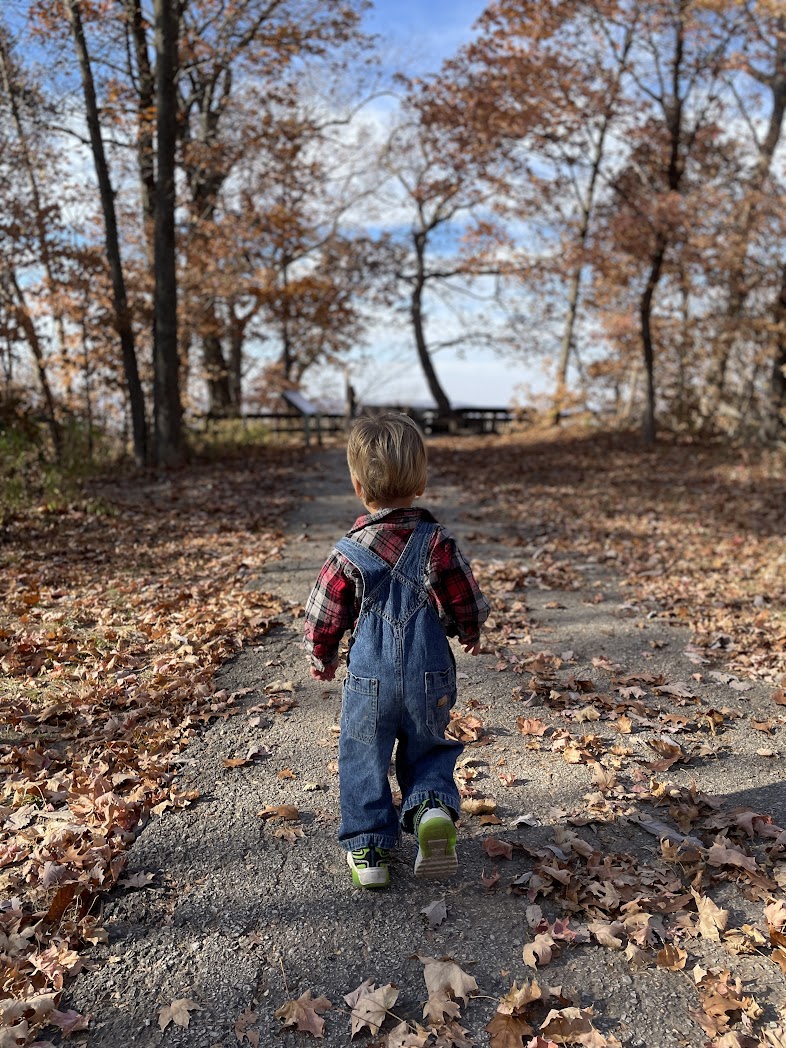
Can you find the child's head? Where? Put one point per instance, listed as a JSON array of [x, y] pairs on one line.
[[387, 456]]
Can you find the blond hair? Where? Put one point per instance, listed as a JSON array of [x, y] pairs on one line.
[[387, 456]]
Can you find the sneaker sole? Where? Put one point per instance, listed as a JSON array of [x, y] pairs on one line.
[[374, 878], [436, 847]]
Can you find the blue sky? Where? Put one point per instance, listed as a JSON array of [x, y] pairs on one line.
[[415, 37], [424, 31]]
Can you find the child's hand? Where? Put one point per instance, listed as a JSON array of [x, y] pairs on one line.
[[328, 673], [472, 648]]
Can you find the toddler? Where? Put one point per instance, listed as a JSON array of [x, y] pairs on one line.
[[400, 583]]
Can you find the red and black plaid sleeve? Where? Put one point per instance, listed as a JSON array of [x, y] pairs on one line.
[[330, 612], [461, 606]]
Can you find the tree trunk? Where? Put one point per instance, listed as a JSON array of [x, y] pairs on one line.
[[122, 315], [18, 305], [287, 359], [216, 370], [87, 378], [775, 426], [645, 314], [205, 180], [237, 331], [416, 313], [169, 447], [673, 111], [11, 88], [145, 142], [566, 344]]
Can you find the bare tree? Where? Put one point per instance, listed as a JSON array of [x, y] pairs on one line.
[[122, 313]]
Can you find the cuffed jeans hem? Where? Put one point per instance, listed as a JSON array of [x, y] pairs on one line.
[[416, 799], [365, 840]]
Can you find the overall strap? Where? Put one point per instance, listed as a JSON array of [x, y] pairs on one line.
[[412, 562], [362, 557]]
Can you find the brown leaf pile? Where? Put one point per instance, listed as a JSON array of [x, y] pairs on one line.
[[698, 530], [698, 537], [115, 616]]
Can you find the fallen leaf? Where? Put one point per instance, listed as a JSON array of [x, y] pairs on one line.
[[404, 1036], [507, 1031], [137, 880], [540, 951], [608, 933], [723, 853], [257, 752], [775, 914], [519, 997], [289, 833], [438, 1006], [712, 919], [303, 1013], [490, 881], [531, 726], [604, 778], [276, 687], [287, 812], [573, 1026], [435, 913], [588, 713], [445, 976], [177, 1012], [244, 1028], [479, 805], [671, 957], [497, 849], [525, 820], [370, 1005], [68, 1022]]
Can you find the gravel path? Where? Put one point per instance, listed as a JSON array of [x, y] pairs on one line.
[[238, 918]]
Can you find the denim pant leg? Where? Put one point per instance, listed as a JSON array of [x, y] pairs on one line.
[[425, 763], [364, 752]]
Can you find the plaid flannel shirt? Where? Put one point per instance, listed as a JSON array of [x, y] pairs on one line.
[[334, 603]]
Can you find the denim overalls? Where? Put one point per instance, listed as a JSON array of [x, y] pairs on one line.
[[400, 684]]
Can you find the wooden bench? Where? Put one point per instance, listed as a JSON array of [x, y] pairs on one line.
[[465, 420]]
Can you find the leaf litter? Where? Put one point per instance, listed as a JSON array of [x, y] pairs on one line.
[[113, 625], [652, 911]]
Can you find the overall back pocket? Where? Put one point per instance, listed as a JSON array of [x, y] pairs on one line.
[[440, 699], [359, 707]]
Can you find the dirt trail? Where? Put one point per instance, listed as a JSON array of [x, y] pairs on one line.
[[240, 920]]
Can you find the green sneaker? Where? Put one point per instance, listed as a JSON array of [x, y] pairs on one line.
[[369, 867], [436, 833]]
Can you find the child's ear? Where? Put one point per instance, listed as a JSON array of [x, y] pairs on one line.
[[357, 486]]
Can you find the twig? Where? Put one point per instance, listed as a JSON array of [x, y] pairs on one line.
[[398, 1018], [284, 975]]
